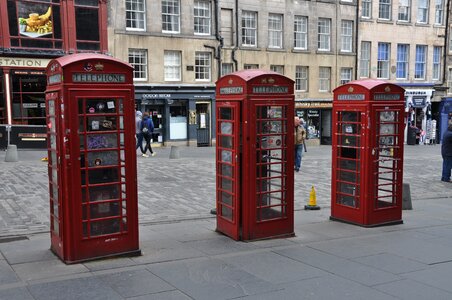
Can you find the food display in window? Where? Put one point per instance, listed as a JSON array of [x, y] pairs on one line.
[[36, 25]]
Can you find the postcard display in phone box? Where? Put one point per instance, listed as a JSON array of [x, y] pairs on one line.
[[90, 113], [367, 153]]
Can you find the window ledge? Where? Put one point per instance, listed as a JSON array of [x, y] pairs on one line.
[[275, 49], [404, 23], [306, 51], [382, 21], [250, 48], [324, 52]]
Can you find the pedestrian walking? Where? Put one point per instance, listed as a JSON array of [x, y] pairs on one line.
[[299, 139], [138, 134], [446, 153], [147, 128]]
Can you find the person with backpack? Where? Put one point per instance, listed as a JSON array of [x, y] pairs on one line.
[[147, 128]]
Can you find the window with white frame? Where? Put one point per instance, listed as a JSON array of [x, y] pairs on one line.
[[275, 31], [384, 10], [202, 17], [277, 68], [420, 63], [364, 60], [138, 58], [172, 65], [324, 79], [404, 10], [346, 36], [249, 28], [437, 53], [346, 75], [203, 66], [226, 68], [135, 15], [422, 11], [403, 51], [324, 34], [439, 12], [383, 60], [449, 80], [300, 32], [366, 9], [301, 78], [250, 66], [171, 16]]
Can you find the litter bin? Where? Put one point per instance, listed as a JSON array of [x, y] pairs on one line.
[[411, 136]]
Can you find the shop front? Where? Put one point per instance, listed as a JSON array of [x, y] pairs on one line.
[[418, 109], [182, 116], [317, 117]]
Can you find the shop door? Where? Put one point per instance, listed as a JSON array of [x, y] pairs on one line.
[[387, 158], [103, 183], [271, 205], [347, 169], [228, 169], [203, 130]]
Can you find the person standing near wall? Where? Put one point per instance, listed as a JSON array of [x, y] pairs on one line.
[[138, 134], [446, 153], [299, 139], [147, 128]]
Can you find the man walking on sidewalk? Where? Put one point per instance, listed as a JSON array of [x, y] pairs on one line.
[[446, 153]]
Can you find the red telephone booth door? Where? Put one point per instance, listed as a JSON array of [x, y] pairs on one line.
[[228, 168], [348, 167], [104, 206], [386, 165], [271, 188]]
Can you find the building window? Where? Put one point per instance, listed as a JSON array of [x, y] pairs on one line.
[[135, 15], [249, 29], [300, 32], [202, 17], [402, 61], [324, 79], [250, 66], [301, 78], [422, 11], [28, 36], [202, 66], [275, 31], [170, 16], [172, 65], [364, 60], [28, 97], [346, 75], [346, 36], [404, 10], [449, 81], [324, 34], [384, 10], [439, 12], [277, 68], [226, 68], [366, 11], [383, 60], [419, 66], [437, 52], [138, 58], [87, 25]]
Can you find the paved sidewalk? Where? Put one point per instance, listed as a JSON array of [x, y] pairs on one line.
[[184, 258]]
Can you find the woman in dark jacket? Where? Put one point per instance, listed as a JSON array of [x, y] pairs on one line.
[[446, 153]]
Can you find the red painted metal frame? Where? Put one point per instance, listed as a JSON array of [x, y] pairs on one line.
[[367, 99], [252, 89], [72, 244]]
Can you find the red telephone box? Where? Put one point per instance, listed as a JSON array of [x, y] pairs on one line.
[[367, 153], [255, 155], [90, 110]]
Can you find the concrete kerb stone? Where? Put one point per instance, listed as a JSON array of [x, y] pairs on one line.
[[11, 154]]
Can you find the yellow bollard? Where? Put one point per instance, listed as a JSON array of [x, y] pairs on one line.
[[312, 204]]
